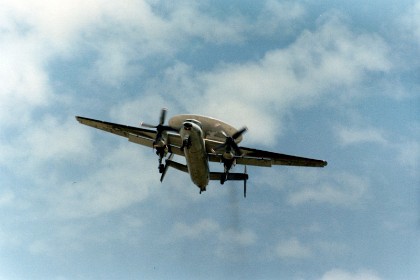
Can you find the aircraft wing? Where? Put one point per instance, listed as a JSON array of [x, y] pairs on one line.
[[142, 136], [267, 159], [250, 156]]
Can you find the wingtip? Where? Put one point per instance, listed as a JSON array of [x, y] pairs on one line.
[[80, 119]]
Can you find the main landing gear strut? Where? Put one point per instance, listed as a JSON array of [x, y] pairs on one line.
[[161, 152], [234, 176]]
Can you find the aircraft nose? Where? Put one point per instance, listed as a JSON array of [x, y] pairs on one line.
[[187, 125]]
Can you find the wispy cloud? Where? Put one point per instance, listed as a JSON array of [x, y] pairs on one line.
[[355, 135], [409, 154], [411, 21], [6, 198], [227, 243], [71, 186], [303, 74], [339, 274], [341, 189], [207, 227], [110, 187], [292, 249]]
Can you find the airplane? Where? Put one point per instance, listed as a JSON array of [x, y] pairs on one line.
[[200, 139]]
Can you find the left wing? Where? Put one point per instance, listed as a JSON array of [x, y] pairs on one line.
[[138, 135], [264, 158], [279, 159]]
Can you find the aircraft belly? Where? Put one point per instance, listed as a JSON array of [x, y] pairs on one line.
[[198, 168]]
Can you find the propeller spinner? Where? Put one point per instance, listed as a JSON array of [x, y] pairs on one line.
[[160, 128], [160, 143], [230, 143]]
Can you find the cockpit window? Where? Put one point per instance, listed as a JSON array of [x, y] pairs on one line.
[[195, 122]]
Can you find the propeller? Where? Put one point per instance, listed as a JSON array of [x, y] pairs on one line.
[[160, 128], [230, 143]]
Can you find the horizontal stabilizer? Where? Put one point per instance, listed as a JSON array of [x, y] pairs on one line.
[[177, 166], [231, 176]]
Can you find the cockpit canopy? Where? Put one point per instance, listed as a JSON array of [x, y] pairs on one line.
[[194, 122]]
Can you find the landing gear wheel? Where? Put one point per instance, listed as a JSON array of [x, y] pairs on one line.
[[161, 168], [223, 178]]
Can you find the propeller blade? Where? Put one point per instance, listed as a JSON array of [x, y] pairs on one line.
[[230, 141], [239, 132], [160, 126], [147, 125], [236, 149], [162, 116]]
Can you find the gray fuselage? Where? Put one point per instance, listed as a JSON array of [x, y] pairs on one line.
[[195, 153]]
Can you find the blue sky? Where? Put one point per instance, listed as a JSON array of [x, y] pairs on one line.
[[336, 80]]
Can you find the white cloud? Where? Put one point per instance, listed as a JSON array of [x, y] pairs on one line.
[[208, 227], [52, 140], [189, 19], [332, 248], [136, 111], [6, 198], [353, 135], [36, 33], [416, 20], [244, 238], [339, 274], [292, 249], [80, 235], [38, 145], [341, 189], [320, 64], [331, 56], [411, 21], [277, 13], [23, 82], [112, 186], [227, 243], [202, 227], [409, 154]]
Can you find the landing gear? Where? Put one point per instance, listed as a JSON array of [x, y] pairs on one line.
[[161, 168], [224, 177], [227, 163], [161, 152], [233, 176], [186, 144]]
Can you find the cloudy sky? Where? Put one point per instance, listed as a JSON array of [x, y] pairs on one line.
[[334, 80]]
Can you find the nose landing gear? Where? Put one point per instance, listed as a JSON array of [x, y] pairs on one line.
[[186, 143]]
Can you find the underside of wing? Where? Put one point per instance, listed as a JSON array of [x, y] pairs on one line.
[[244, 160], [119, 129], [138, 135], [265, 158]]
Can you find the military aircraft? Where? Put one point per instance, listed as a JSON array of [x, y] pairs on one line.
[[200, 140]]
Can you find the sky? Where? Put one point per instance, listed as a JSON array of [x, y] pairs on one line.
[[332, 80]]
